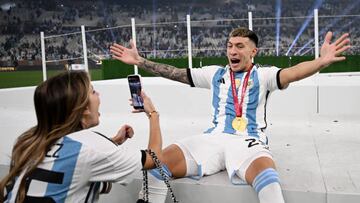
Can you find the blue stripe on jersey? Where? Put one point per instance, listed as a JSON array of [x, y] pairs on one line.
[[229, 113], [230, 107], [216, 97], [252, 105], [65, 163], [8, 197]]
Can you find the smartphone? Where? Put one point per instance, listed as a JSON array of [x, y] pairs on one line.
[[135, 91]]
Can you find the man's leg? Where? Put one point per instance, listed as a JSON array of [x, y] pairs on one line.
[[174, 161], [261, 174], [252, 162], [174, 158], [181, 161]]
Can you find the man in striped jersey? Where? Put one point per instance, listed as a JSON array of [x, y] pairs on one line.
[[236, 141]]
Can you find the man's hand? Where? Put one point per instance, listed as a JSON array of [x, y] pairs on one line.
[[331, 52], [127, 55], [123, 134]]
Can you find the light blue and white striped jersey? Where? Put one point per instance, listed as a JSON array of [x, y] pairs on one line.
[[262, 81], [74, 168]]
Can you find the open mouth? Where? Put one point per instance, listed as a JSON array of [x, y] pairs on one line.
[[235, 61]]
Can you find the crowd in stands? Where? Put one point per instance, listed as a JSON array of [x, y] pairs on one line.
[[161, 26]]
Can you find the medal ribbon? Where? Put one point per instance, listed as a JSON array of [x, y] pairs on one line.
[[238, 106]]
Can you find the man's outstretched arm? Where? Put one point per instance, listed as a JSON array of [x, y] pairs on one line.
[[131, 56], [329, 53]]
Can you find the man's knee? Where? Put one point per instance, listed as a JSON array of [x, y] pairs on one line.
[[257, 166], [174, 159]]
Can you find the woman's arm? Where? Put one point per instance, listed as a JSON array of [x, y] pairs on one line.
[[155, 139]]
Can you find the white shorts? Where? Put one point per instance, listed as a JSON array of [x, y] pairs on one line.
[[215, 152]]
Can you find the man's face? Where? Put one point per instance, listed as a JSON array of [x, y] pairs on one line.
[[240, 51]]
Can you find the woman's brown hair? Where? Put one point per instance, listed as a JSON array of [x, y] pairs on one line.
[[59, 104]]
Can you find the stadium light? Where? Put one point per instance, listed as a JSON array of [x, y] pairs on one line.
[[278, 15], [328, 26], [334, 33], [317, 4], [154, 6]]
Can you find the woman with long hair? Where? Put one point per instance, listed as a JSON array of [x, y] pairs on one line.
[[61, 159]]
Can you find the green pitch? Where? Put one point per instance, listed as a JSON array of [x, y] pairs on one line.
[[33, 78]]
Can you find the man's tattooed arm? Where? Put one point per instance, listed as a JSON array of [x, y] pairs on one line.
[[164, 70]]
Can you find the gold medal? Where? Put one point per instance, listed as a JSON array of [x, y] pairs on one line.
[[237, 83], [239, 124]]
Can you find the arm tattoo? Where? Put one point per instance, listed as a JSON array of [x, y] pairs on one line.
[[166, 71]]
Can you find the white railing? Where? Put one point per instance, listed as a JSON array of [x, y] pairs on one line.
[[199, 37]]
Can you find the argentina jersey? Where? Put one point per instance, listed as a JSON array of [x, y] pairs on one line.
[[262, 81], [75, 167]]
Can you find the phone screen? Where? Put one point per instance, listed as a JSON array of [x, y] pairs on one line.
[[135, 91]]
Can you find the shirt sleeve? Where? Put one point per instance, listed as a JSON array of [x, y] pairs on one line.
[[202, 77], [109, 162], [271, 77], [120, 165]]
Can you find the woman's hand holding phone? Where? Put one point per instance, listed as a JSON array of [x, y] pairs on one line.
[[148, 105]]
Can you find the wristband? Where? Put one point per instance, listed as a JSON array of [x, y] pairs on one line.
[[151, 113]]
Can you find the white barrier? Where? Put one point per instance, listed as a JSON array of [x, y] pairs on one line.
[[314, 133]]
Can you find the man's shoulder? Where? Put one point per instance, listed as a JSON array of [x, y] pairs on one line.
[[260, 66], [210, 70], [213, 67]]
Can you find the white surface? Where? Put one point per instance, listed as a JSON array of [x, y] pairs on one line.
[[313, 127]]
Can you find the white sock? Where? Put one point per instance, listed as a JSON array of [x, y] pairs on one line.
[[267, 186], [157, 190]]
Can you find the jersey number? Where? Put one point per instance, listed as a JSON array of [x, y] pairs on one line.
[[252, 142], [53, 152], [44, 176]]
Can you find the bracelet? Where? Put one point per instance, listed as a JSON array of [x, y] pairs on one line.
[[152, 112]]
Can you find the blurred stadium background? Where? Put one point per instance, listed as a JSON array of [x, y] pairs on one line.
[[285, 29]]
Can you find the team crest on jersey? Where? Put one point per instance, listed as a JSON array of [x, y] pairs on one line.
[[237, 83], [250, 83]]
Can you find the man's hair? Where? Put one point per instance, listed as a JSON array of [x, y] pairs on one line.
[[244, 32]]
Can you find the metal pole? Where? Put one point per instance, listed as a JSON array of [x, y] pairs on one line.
[[316, 38], [188, 25], [43, 59], [84, 48], [250, 20], [133, 31], [250, 27], [316, 32]]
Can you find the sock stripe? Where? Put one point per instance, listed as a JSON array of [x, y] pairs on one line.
[[265, 178], [263, 174], [266, 182], [156, 173]]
